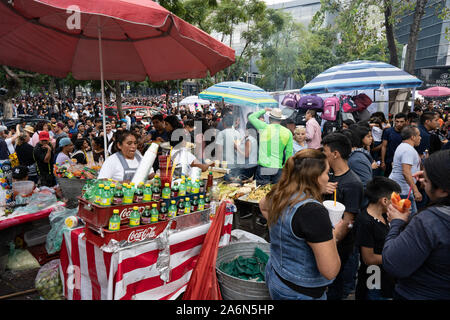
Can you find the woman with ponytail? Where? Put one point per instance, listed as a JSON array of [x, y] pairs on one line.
[[303, 255], [417, 250]]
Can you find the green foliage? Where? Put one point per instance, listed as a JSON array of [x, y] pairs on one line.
[[279, 53]]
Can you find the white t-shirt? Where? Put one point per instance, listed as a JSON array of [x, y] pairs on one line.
[[226, 138], [182, 157], [10, 145], [404, 154], [112, 167]]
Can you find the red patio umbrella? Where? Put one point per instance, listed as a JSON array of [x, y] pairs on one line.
[[106, 39], [435, 92]]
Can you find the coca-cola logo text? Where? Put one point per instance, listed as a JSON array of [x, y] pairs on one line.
[[142, 234], [125, 214]]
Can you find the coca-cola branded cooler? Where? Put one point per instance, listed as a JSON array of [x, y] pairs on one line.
[[98, 216], [102, 236]]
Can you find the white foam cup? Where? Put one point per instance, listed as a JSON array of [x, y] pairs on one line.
[[335, 212]]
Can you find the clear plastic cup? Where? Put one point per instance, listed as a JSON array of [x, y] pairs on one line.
[[335, 212]]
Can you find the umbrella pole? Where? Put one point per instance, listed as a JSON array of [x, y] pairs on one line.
[[413, 98], [102, 88]]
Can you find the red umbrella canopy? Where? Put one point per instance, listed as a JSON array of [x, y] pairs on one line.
[[139, 38], [435, 92]]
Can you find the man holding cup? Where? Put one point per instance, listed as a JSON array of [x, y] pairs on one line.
[[349, 193]]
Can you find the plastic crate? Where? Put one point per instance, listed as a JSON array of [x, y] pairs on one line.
[[37, 236]]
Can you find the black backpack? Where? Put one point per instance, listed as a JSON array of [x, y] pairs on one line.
[[332, 126], [299, 117]]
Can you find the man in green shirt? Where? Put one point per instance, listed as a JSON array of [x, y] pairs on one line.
[[275, 145]]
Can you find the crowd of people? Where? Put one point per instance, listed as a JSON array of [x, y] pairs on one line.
[[359, 165]]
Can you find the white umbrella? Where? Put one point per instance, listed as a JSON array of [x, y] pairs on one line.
[[193, 100]]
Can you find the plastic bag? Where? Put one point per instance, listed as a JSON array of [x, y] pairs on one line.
[[39, 201], [20, 259], [55, 235], [48, 282]]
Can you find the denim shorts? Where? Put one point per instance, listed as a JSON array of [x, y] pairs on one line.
[[279, 291]]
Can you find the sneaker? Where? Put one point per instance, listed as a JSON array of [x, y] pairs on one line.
[[261, 222]]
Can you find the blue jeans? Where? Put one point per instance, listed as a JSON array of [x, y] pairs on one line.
[[279, 291], [413, 202], [265, 175], [350, 272]]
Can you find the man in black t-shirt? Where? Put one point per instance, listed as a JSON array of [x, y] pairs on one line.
[[371, 230], [44, 155], [350, 191]]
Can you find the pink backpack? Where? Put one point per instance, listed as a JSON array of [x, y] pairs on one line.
[[330, 108]]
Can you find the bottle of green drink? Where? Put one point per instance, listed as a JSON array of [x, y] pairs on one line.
[[187, 206], [154, 213], [114, 221], [166, 192], [147, 193], [135, 217], [172, 212]]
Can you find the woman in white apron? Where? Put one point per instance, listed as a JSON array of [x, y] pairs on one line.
[[122, 165]]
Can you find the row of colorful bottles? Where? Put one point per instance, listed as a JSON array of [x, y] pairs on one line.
[[106, 195], [152, 215]]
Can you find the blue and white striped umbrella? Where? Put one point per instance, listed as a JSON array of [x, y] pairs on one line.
[[360, 75], [239, 93]]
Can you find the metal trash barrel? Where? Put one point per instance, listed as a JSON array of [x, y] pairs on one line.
[[71, 188], [233, 288]]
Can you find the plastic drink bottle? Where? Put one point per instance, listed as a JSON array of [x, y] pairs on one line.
[[180, 207], [207, 201], [147, 193], [194, 205], [182, 188], [201, 203], [114, 221], [157, 180], [172, 212], [135, 217], [166, 192], [156, 193], [188, 186], [128, 195], [118, 196], [195, 187], [139, 193], [154, 213], [146, 217], [105, 197], [98, 193], [163, 212], [175, 189], [187, 206]]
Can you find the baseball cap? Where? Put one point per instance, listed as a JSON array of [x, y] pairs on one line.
[[3, 128], [64, 142], [60, 125], [20, 172], [43, 135]]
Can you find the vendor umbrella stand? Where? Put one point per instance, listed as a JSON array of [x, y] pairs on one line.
[[109, 39]]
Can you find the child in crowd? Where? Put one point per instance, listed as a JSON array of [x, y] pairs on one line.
[[299, 139], [372, 228]]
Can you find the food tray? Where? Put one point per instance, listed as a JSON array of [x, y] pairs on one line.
[[130, 235], [244, 199]]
